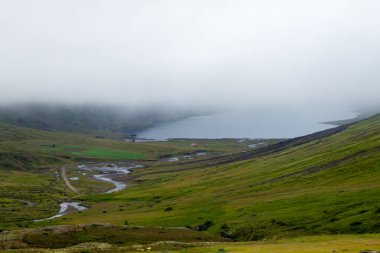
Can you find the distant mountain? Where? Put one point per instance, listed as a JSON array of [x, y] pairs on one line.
[[85, 119], [349, 121]]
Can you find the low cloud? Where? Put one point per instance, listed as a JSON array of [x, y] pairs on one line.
[[191, 54]]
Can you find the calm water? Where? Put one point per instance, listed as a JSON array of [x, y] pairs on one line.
[[249, 124]]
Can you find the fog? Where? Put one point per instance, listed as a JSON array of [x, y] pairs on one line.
[[209, 54]]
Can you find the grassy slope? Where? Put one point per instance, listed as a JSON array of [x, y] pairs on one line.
[[311, 244], [326, 186], [58, 145], [66, 236]]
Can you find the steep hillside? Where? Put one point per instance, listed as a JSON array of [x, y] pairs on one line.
[[327, 185]]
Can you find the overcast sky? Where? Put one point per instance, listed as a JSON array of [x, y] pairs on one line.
[[209, 53]]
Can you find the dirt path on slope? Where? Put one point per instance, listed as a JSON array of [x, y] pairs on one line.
[[67, 182]]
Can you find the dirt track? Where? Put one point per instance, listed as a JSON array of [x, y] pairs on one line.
[[67, 182]]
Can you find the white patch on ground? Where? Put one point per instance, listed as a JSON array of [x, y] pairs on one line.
[[64, 207], [255, 145]]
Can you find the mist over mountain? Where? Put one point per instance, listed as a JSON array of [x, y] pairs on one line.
[[127, 65], [87, 119]]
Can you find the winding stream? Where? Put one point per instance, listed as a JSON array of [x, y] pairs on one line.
[[118, 185], [107, 171]]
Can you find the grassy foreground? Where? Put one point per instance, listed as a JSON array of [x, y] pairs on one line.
[[314, 244], [310, 244]]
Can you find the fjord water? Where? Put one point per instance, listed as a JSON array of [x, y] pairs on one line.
[[279, 123]]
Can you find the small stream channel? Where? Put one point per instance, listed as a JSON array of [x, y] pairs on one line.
[[65, 208], [106, 171], [188, 157]]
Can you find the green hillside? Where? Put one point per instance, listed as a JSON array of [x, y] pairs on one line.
[[323, 183], [326, 186]]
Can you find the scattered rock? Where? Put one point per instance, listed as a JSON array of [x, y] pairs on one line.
[[204, 226]]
